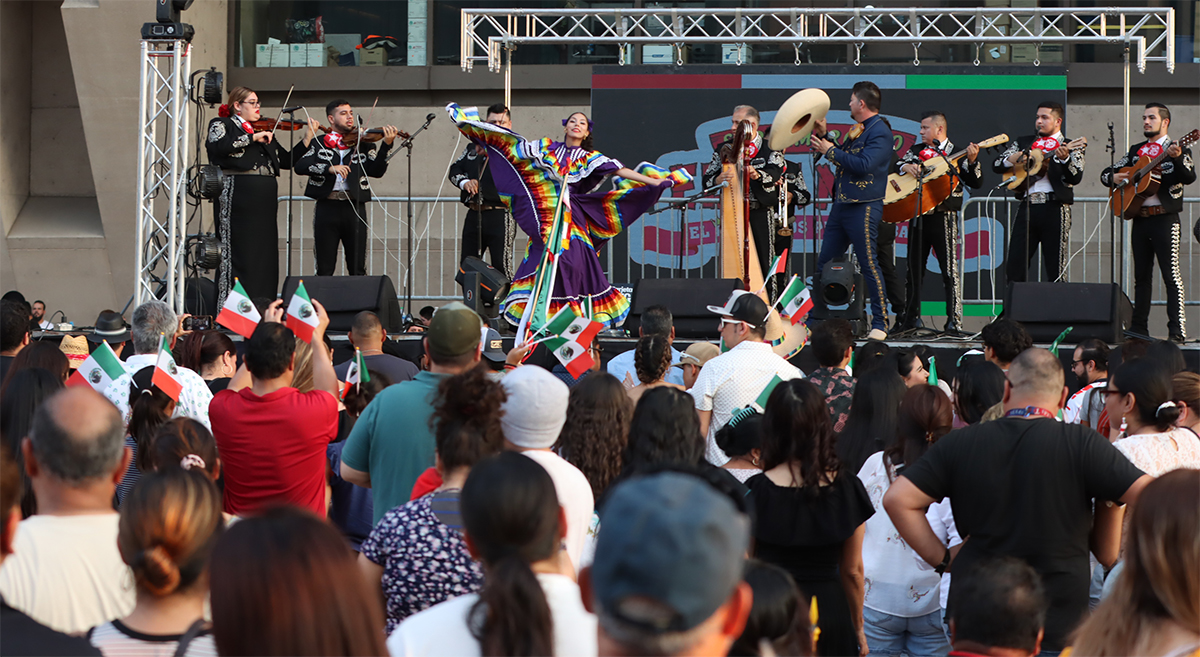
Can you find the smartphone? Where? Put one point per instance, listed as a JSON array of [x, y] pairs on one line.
[[197, 323]]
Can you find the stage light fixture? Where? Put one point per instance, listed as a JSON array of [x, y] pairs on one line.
[[206, 251], [837, 283], [214, 80], [168, 26], [209, 182], [167, 11]]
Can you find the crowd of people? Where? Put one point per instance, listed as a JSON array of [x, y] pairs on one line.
[[714, 500]]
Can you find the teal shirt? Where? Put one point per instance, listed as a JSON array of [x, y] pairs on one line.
[[392, 440]]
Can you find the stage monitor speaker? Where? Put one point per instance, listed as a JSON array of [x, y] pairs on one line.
[[1095, 310], [840, 294], [200, 297], [346, 296], [493, 286], [688, 300]]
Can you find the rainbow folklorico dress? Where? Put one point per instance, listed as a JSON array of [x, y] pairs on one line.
[[551, 190]]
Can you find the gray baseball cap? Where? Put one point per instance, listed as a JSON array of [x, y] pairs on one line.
[[670, 552]]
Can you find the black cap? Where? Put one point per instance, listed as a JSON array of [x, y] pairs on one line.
[[744, 307], [111, 328]]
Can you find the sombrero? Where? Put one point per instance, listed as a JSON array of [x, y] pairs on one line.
[[794, 120]]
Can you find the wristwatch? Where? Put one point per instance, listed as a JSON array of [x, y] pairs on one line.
[[941, 567]]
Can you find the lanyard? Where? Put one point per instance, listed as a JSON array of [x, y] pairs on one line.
[[1030, 411]]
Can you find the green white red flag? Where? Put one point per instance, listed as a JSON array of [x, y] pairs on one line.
[[239, 314], [301, 315], [99, 370], [357, 372], [166, 373], [571, 335], [796, 300]]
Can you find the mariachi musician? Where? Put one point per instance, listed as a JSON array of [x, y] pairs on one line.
[[337, 166], [765, 171], [1156, 230], [489, 224], [938, 228]]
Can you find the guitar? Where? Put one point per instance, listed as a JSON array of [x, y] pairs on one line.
[[1034, 164], [900, 201], [1143, 180]]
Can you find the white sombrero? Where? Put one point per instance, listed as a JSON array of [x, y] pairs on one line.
[[794, 120]]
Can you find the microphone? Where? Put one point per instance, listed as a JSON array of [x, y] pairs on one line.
[[289, 110], [430, 117], [1005, 182]]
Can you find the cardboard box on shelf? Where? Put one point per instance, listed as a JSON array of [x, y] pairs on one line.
[[316, 54], [262, 55], [730, 51], [297, 54], [372, 57], [279, 55]]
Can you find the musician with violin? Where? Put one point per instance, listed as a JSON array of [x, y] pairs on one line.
[[764, 170], [489, 225], [1156, 230], [938, 228], [1046, 194], [338, 166], [242, 144], [860, 175]]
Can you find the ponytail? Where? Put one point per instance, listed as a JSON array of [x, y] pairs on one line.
[[1167, 415], [149, 409], [512, 617]]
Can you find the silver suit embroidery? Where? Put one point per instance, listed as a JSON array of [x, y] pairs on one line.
[[216, 130]]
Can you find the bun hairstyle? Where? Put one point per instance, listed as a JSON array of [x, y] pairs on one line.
[[466, 419], [1149, 381], [652, 358], [741, 434], [149, 409], [169, 524], [180, 439]]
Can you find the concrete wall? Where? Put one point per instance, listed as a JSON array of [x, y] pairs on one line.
[[16, 81]]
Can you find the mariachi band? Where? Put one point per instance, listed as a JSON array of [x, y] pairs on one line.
[[873, 188]]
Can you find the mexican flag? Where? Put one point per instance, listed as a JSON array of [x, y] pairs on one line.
[[301, 316], [239, 314], [778, 266], [572, 335], [795, 301], [99, 370], [166, 374], [763, 396], [357, 372]]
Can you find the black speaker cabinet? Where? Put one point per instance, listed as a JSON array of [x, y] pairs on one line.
[[346, 296], [687, 299], [1096, 310]]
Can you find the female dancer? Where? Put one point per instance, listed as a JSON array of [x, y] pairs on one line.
[[245, 212], [551, 187]]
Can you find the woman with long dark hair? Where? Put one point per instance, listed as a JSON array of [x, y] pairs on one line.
[[902, 606], [246, 210], [530, 603], [1141, 392], [872, 421], [664, 430], [149, 409], [212, 355], [25, 392], [778, 614], [416, 556], [553, 187], [42, 355], [977, 387], [811, 513], [285, 583]]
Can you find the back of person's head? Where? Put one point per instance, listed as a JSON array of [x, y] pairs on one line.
[[184, 443], [596, 432], [778, 616], [535, 407], [287, 583], [925, 416], [1149, 381], [169, 524], [151, 322], [797, 431], [1006, 338], [453, 339], [1134, 348], [1038, 374], [77, 437], [742, 434], [657, 320], [203, 349], [42, 355], [1161, 579], [869, 356], [1185, 388], [868, 94], [270, 351], [149, 409], [652, 358], [664, 429], [667, 577], [512, 520], [14, 325], [1096, 351], [358, 396], [1002, 604], [978, 387], [466, 418], [874, 409], [26, 390], [1168, 353], [830, 340], [302, 366], [367, 330], [10, 497]]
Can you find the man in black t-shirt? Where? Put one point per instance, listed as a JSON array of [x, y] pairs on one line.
[[1023, 486]]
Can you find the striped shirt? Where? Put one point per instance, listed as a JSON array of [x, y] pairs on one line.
[[115, 639]]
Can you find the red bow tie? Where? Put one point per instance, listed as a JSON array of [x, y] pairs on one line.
[[1150, 150], [1046, 144], [334, 140]]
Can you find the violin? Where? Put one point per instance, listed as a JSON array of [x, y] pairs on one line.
[[367, 136], [266, 125]]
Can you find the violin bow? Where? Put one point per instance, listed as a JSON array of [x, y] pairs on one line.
[[279, 117], [363, 131]]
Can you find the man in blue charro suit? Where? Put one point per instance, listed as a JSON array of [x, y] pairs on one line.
[[861, 171]]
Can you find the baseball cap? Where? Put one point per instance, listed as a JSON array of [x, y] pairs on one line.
[[536, 408], [493, 345], [744, 307], [698, 353], [453, 331], [670, 552]]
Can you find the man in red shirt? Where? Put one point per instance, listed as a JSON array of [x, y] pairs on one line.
[[271, 436]]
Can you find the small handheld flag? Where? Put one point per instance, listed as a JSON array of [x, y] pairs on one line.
[[795, 300], [763, 396], [572, 335], [166, 374], [357, 372], [301, 315], [1057, 341], [239, 314], [99, 370], [933, 380], [777, 267]]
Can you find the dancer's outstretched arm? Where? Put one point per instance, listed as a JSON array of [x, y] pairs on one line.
[[637, 177]]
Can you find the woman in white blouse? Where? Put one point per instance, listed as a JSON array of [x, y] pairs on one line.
[[1140, 392]]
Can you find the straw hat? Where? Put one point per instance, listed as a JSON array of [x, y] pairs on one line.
[[794, 120], [76, 349]]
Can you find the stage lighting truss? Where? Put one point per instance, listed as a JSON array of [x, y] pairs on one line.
[[1149, 31], [162, 166]]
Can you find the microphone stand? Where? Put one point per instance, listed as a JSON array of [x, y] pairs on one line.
[[407, 145], [291, 179], [1111, 147]]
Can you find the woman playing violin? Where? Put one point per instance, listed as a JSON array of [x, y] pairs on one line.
[[251, 160]]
